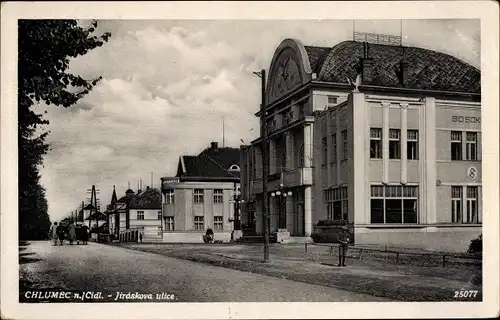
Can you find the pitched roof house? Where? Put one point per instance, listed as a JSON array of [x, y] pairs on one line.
[[202, 195], [212, 164]]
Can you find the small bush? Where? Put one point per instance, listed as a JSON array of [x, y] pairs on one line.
[[324, 237], [476, 245]]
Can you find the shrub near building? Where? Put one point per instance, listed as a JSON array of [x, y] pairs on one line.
[[328, 231]]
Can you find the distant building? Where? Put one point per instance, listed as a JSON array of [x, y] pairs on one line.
[[201, 196], [118, 215], [386, 137], [145, 214]]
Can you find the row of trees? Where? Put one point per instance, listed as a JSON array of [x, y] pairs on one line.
[[45, 48]]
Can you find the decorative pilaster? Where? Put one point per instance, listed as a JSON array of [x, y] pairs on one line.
[[404, 145], [337, 154], [307, 212], [356, 190], [385, 141], [308, 146], [329, 147], [430, 159], [272, 156], [289, 151]]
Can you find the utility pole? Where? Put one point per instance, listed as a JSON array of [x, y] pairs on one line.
[[265, 163]]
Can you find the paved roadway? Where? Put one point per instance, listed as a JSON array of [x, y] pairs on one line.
[[108, 269]]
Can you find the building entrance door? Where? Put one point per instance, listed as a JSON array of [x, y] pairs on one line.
[[298, 221]]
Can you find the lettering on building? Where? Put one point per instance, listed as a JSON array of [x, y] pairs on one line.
[[463, 119]]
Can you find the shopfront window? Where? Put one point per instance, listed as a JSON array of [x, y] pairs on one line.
[[394, 204]]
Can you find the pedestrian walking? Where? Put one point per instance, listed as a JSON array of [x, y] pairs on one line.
[[71, 233], [343, 239], [78, 231], [60, 233], [53, 233], [85, 233]]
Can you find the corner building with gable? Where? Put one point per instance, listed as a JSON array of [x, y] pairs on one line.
[[385, 136]]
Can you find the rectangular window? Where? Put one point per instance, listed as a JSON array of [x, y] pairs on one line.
[[324, 143], [198, 195], [159, 215], [334, 148], [329, 211], [218, 225], [471, 146], [344, 139], [332, 100], [377, 210], [375, 143], [394, 204], [412, 143], [471, 208], [198, 223], [169, 196], [394, 144], [169, 224], [456, 204], [456, 145], [345, 208], [336, 203], [218, 196], [140, 215]]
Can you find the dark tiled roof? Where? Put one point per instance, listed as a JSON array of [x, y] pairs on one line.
[[211, 163], [316, 56], [427, 69], [126, 198], [148, 199]]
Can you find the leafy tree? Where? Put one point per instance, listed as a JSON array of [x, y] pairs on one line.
[[45, 48]]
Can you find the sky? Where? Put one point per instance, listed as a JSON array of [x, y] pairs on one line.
[[168, 84]]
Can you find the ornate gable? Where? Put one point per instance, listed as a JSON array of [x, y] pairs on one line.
[[290, 68]]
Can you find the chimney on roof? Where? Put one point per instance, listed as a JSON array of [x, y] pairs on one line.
[[366, 65], [214, 145], [402, 70]]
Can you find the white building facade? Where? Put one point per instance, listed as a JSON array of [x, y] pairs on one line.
[[398, 156]]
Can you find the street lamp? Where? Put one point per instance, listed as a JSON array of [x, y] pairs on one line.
[[237, 201]]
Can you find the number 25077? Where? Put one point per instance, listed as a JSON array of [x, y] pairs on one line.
[[465, 294]]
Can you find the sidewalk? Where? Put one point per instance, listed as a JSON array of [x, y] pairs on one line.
[[368, 276]]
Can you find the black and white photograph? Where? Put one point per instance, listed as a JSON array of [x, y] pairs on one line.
[[249, 159]]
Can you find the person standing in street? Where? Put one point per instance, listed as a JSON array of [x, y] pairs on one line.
[[343, 239], [71, 233], [140, 237], [85, 233], [60, 234], [53, 233]]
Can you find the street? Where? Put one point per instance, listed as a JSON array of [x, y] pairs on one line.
[[110, 270]]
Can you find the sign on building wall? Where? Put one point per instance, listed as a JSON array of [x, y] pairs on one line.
[[166, 182], [472, 173], [465, 119]]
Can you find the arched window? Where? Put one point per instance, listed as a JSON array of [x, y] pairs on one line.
[[234, 168]]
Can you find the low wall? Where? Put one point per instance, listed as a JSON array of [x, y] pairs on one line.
[[449, 239], [194, 237]]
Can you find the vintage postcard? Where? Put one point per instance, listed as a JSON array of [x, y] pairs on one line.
[[217, 160]]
